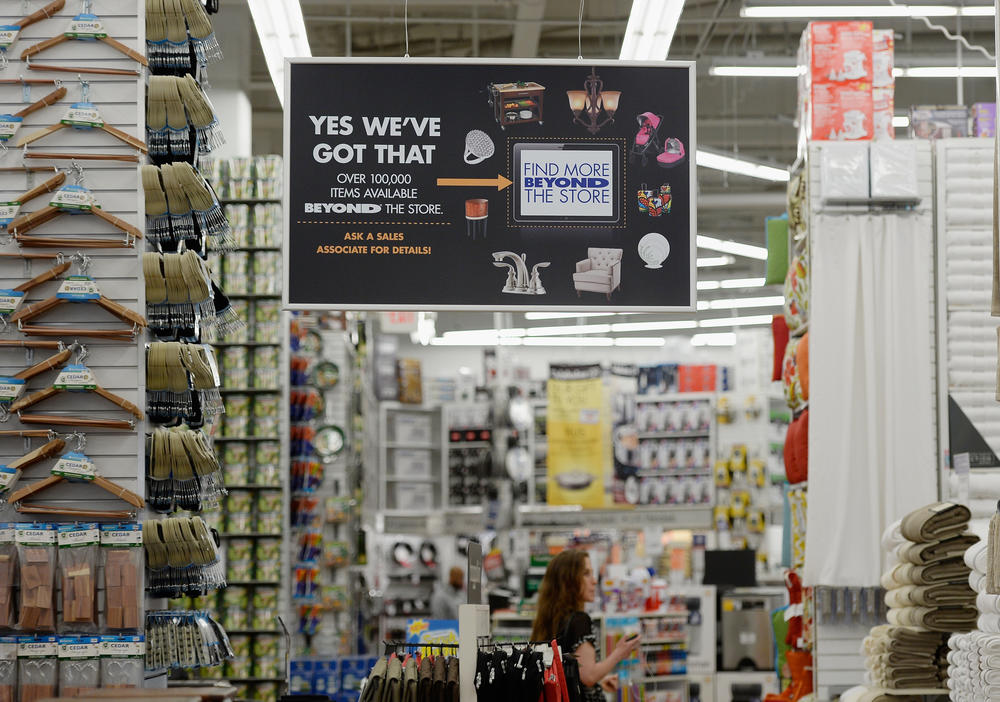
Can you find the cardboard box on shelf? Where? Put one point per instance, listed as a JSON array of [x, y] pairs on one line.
[[883, 61], [984, 119], [840, 112], [883, 105], [939, 121], [840, 52]]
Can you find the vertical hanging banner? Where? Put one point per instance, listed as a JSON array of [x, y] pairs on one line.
[[578, 435], [432, 184]]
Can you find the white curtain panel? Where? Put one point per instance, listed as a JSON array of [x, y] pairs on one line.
[[871, 412]]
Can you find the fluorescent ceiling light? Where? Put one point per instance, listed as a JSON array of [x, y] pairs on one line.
[[640, 341], [948, 72], [650, 29], [481, 332], [741, 302], [901, 121], [715, 261], [757, 71], [565, 315], [570, 341], [732, 247], [472, 340], [282, 34], [731, 164], [718, 339], [653, 326], [736, 321], [568, 329], [862, 11]]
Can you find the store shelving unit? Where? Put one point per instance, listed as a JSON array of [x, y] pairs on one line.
[[417, 435]]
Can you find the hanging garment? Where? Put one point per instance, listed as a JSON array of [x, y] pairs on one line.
[[373, 688], [392, 688], [871, 434], [452, 689], [425, 673], [438, 679], [410, 679]]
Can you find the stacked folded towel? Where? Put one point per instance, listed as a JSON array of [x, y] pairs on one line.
[[974, 658], [929, 597]]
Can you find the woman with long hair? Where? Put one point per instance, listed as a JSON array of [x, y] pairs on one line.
[[569, 582]]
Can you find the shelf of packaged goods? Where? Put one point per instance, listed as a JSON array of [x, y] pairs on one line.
[[469, 444], [255, 249], [669, 473], [253, 487], [660, 642], [253, 583], [406, 479], [249, 391], [680, 677], [246, 344], [249, 535], [675, 397], [674, 434], [222, 439], [661, 615], [667, 516], [254, 296], [250, 201], [252, 632], [406, 445]]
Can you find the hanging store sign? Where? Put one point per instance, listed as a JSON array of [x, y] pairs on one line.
[[426, 184]]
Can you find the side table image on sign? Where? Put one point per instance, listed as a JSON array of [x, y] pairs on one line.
[[434, 184]]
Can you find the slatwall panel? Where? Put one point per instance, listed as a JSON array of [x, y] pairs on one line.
[[965, 247], [838, 662], [119, 367]]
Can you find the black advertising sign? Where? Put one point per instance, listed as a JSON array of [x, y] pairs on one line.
[[430, 184]]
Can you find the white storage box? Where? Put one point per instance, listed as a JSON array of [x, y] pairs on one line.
[[418, 497], [412, 463], [413, 428]]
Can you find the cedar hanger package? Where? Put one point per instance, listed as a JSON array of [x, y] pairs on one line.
[[840, 52], [841, 112]]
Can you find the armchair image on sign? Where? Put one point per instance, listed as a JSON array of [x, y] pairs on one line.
[[521, 178]]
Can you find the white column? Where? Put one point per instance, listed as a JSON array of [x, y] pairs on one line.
[[230, 80]]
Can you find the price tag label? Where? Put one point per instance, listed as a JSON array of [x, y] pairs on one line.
[[9, 124], [75, 378], [8, 212], [75, 466], [73, 198], [10, 300], [7, 476], [11, 388], [84, 115], [962, 464], [86, 26], [79, 288], [71, 535], [8, 35]]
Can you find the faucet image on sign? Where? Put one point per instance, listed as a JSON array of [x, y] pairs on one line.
[[519, 282]]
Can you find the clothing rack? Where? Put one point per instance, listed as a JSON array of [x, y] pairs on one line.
[[394, 646]]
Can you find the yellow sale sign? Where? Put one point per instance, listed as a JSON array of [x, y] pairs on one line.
[[578, 435]]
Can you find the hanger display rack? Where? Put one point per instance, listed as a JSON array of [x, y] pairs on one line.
[[82, 553]]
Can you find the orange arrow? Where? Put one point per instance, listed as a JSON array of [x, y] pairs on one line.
[[500, 182]]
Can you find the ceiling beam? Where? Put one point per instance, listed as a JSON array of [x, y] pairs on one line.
[[528, 29]]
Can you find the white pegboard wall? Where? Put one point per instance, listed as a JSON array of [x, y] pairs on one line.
[[119, 367], [965, 252]]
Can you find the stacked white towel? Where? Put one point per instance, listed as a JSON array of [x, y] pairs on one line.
[[974, 658]]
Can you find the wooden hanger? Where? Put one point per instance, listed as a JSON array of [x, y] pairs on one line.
[[60, 156], [52, 448], [50, 99], [36, 309], [64, 421], [86, 15], [17, 498], [57, 360], [25, 223], [37, 16], [66, 123], [41, 395]]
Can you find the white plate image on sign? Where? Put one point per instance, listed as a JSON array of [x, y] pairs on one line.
[[654, 249], [574, 480]]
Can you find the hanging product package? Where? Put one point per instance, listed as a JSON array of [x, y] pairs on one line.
[[37, 667], [122, 660], [79, 664], [122, 555], [36, 555], [78, 551], [8, 571], [8, 668]]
